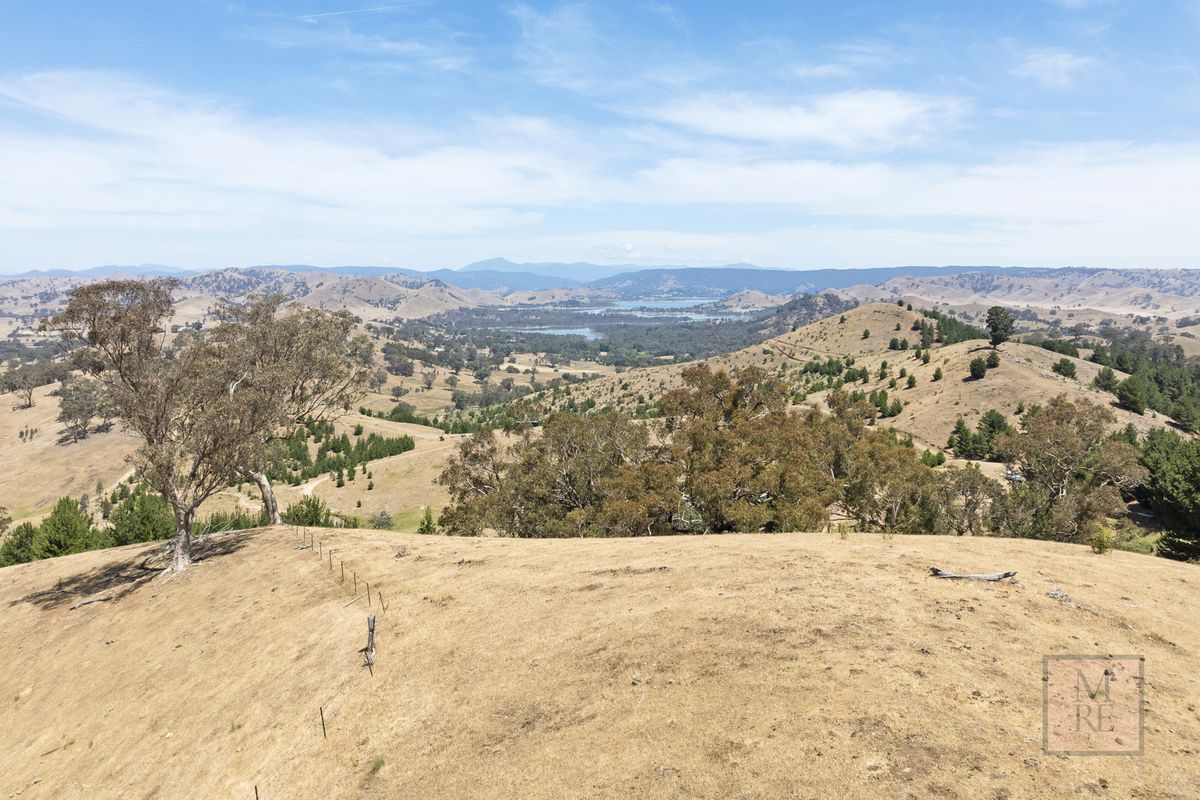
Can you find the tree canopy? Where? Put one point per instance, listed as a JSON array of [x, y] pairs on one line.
[[1000, 324], [206, 404]]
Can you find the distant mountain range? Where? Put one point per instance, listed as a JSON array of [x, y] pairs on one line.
[[626, 281], [376, 292], [1170, 292]]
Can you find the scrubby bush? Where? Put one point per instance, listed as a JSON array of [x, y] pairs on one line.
[[309, 510], [1065, 367], [381, 520]]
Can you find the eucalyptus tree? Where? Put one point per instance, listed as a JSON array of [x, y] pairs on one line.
[[207, 405], [292, 365]]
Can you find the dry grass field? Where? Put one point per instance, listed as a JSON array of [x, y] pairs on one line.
[[739, 666], [37, 473]]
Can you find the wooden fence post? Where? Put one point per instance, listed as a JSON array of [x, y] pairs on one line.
[[369, 650]]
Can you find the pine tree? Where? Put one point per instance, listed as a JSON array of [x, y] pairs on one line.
[[20, 546], [1105, 380], [1000, 324], [67, 530], [427, 526], [1132, 394]]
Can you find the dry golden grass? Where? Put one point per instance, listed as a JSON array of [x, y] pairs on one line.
[[404, 485], [36, 474], [1024, 376], [748, 666]]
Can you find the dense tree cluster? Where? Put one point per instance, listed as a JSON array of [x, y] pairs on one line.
[[1161, 378], [1172, 490], [335, 454], [980, 444], [728, 455], [951, 330], [1071, 472]]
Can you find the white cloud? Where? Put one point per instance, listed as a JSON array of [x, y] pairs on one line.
[[843, 119], [123, 172], [1057, 69]]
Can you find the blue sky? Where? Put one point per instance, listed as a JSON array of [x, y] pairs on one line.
[[430, 134]]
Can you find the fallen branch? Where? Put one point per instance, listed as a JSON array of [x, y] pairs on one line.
[[82, 603], [973, 576]]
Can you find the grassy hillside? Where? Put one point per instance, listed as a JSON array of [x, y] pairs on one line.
[[931, 408], [756, 666], [1169, 292], [37, 473]]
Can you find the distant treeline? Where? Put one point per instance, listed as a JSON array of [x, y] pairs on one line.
[[336, 455]]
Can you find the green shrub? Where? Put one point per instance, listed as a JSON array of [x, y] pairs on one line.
[[381, 520], [1103, 541], [67, 530], [142, 517], [20, 546], [310, 510], [229, 521], [1065, 367]]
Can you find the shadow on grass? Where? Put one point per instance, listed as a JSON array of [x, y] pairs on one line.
[[121, 578]]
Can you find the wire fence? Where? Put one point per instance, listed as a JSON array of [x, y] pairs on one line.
[[346, 578]]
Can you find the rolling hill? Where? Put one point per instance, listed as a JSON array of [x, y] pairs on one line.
[[931, 408], [1158, 292], [39, 470], [755, 666]]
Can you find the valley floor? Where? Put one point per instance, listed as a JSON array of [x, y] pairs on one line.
[[739, 666]]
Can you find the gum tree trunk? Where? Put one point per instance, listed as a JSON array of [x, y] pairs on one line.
[[182, 551], [270, 504]]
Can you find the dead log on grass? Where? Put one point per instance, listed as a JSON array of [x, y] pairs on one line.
[[93, 600], [971, 576]]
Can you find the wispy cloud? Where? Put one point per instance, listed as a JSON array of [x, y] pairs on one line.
[[1056, 69], [848, 60], [416, 44], [851, 119], [352, 12]]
